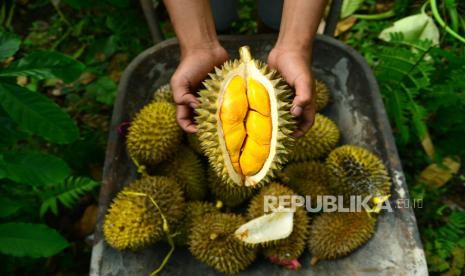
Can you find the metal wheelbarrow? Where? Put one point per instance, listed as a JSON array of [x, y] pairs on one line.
[[357, 109]]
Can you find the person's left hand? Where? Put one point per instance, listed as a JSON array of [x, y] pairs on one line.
[[294, 67]]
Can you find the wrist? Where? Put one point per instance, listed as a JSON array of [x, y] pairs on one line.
[[193, 48]]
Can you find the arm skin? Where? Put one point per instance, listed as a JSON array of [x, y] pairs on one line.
[[200, 53], [292, 54]]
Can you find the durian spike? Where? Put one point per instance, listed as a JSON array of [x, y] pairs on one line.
[[244, 53], [314, 261], [219, 204]]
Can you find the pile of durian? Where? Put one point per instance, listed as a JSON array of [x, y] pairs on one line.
[[207, 191]]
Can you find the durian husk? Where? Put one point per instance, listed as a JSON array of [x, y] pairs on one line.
[[133, 222], [188, 170], [212, 242], [209, 125], [308, 179], [230, 195], [163, 94], [194, 143], [335, 235], [317, 142], [154, 134], [322, 95], [289, 248], [355, 171]]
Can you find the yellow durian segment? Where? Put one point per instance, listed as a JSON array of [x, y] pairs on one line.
[[258, 97], [234, 135], [253, 157], [234, 107], [259, 127]]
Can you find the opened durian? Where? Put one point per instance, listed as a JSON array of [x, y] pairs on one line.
[[134, 222], [163, 94], [212, 242], [322, 95], [154, 133], [356, 171], [230, 195], [188, 170], [244, 121], [307, 179], [334, 235], [194, 209], [318, 141], [290, 248]]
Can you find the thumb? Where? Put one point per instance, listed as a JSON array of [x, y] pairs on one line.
[[182, 94], [303, 96]]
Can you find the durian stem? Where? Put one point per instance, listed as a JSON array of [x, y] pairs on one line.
[[314, 261], [244, 53], [140, 168]]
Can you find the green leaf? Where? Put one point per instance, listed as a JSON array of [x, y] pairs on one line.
[[30, 240], [119, 3], [45, 65], [349, 7], [2, 167], [8, 207], [36, 113], [415, 27], [103, 89], [81, 4], [9, 44], [35, 168], [9, 131]]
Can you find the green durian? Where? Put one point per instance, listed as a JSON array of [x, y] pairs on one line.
[[133, 221], [154, 134], [188, 170], [307, 179], [335, 235], [194, 143], [353, 170], [318, 141], [163, 94], [242, 167], [212, 242], [229, 195], [322, 95]]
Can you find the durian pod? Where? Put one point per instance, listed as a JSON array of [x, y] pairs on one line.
[[230, 195], [163, 94], [133, 221], [355, 171], [244, 121], [194, 209], [318, 141], [322, 95], [292, 247], [212, 242], [154, 133], [188, 170], [308, 179], [335, 235]]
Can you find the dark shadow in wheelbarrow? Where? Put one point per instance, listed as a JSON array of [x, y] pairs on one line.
[[357, 109]]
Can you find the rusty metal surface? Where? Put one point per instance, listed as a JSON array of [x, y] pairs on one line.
[[357, 109]]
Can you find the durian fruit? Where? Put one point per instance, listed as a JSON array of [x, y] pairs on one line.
[[188, 170], [355, 171], [292, 247], [318, 141], [163, 94], [134, 222], [212, 242], [229, 195], [244, 121], [194, 143], [307, 179], [194, 209], [336, 234], [154, 133], [322, 95]]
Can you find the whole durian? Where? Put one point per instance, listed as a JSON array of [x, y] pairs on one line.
[[353, 170], [322, 95], [212, 242], [194, 143], [163, 94], [318, 141], [307, 179], [292, 247], [154, 133], [229, 195], [188, 170], [134, 222], [194, 209], [335, 235], [244, 121]]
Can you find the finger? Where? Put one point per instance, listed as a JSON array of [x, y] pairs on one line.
[[308, 118], [184, 115], [303, 96], [181, 92]]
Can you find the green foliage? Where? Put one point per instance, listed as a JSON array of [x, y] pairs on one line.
[[8, 207], [349, 7], [32, 240], [9, 44]]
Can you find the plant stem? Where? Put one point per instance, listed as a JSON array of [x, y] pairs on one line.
[[60, 13], [378, 16], [437, 16], [11, 12]]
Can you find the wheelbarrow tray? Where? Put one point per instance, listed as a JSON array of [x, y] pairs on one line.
[[357, 109]]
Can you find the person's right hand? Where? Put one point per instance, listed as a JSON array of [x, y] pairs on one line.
[[193, 69]]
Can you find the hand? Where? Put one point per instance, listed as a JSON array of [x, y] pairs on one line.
[[294, 67], [193, 69]]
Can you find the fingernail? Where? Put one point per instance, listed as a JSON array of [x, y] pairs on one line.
[[296, 110], [193, 105]]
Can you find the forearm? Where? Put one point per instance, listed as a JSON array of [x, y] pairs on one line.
[[193, 23], [299, 24]]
